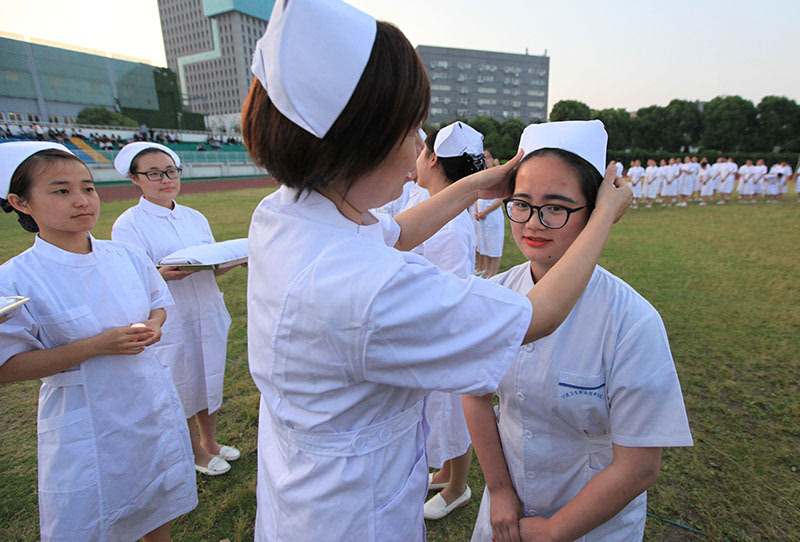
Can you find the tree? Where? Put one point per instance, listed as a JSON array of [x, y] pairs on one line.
[[618, 126], [570, 110], [683, 125], [778, 123], [485, 125], [513, 128], [647, 128], [729, 124], [101, 116]]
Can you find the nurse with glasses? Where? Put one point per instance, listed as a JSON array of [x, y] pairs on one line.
[[583, 413], [196, 333]]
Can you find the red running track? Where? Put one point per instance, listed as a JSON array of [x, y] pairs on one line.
[[131, 191]]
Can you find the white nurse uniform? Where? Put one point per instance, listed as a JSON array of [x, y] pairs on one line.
[[196, 331], [605, 376], [114, 456], [345, 340]]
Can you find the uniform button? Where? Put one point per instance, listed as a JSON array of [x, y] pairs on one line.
[[530, 512], [531, 475], [520, 396], [528, 434], [385, 434], [359, 442]]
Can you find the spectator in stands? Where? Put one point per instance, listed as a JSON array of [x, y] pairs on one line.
[[201, 147]]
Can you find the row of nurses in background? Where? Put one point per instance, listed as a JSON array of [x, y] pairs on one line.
[[707, 181], [450, 154], [490, 225], [114, 457], [347, 330], [583, 413], [194, 344]]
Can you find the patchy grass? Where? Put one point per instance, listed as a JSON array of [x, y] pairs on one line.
[[726, 280]]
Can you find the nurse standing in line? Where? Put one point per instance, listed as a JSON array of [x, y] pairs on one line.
[[196, 334], [450, 154], [347, 335], [651, 186], [583, 413], [114, 459]]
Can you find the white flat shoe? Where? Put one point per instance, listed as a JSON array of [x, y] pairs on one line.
[[215, 467], [229, 453], [433, 485], [437, 508]]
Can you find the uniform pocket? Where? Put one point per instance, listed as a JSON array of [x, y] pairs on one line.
[[581, 402], [69, 326], [400, 518], [66, 452]]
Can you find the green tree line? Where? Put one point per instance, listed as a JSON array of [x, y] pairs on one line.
[[725, 125]]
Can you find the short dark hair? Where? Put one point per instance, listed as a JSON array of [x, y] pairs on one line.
[[455, 167], [588, 176], [22, 180], [391, 98]]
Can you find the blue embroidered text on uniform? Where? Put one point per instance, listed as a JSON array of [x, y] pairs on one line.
[[582, 390]]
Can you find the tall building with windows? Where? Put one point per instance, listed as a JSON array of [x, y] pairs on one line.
[[209, 44], [467, 83]]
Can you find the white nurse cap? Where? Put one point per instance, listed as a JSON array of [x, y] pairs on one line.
[[126, 154], [586, 138], [311, 58], [456, 139], [13, 153]]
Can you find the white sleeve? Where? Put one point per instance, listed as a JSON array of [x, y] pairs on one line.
[[124, 231], [390, 227], [432, 330], [18, 334], [152, 280], [646, 403]]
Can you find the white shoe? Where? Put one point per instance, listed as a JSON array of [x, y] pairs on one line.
[[437, 508], [433, 485], [215, 467], [229, 453]]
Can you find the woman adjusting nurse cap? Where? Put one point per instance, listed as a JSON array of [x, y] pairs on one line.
[[311, 58], [126, 154], [13, 153], [586, 138]]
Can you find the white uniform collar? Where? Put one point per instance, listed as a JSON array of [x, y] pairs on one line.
[[157, 210], [64, 257]]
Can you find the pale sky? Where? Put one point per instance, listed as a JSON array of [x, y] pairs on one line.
[[609, 53]]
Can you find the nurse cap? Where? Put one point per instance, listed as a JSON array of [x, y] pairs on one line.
[[311, 58], [456, 139], [126, 154], [586, 138], [13, 153]]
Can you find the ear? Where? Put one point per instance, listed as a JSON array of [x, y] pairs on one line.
[[433, 160], [18, 203]]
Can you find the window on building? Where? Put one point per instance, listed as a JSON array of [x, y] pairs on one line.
[[443, 88], [487, 90], [535, 93], [535, 104], [487, 101], [485, 78], [463, 112], [464, 65]]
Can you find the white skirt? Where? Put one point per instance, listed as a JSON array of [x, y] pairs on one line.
[[491, 234], [449, 437]]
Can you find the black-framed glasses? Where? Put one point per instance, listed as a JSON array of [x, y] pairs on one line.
[[156, 175], [551, 216]]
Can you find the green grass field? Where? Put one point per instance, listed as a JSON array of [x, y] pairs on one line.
[[726, 280]]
